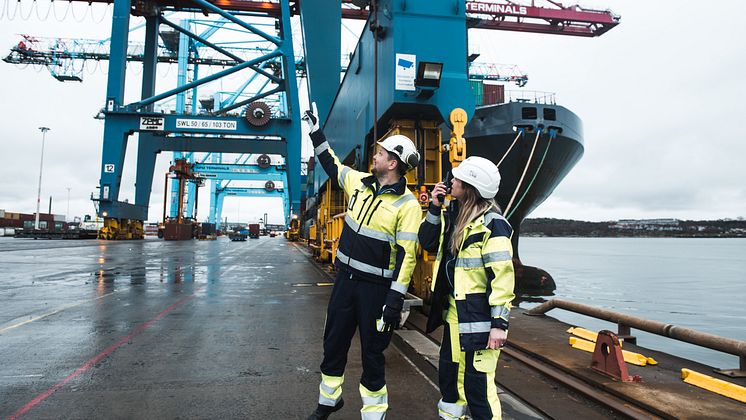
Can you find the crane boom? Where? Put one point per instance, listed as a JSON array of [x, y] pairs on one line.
[[57, 55], [506, 15]]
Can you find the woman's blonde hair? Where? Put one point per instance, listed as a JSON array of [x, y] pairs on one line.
[[471, 206]]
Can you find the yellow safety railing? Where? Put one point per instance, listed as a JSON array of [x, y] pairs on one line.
[[333, 233]]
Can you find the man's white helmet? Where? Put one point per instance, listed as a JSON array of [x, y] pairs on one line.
[[403, 148], [480, 173]]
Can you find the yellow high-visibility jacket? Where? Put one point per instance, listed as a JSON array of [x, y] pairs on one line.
[[379, 239], [483, 275]]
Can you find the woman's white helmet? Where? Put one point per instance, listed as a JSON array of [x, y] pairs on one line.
[[403, 148], [480, 173]]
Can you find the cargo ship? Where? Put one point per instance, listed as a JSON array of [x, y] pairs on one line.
[[535, 143]]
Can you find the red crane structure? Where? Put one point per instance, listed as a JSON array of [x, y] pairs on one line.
[[548, 17]]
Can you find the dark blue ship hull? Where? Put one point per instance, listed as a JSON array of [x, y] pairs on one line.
[[490, 134]]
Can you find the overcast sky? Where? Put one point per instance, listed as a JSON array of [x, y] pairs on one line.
[[661, 97]]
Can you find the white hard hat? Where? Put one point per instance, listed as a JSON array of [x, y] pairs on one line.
[[481, 174], [403, 148]]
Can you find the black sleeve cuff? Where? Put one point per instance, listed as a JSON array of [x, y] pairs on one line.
[[394, 300], [434, 210], [499, 323], [317, 137]]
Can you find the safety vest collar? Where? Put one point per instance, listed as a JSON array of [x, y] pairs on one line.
[[398, 188], [369, 181], [483, 219]]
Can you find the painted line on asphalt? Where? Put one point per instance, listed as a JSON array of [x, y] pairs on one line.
[[92, 362], [56, 311], [417, 369]]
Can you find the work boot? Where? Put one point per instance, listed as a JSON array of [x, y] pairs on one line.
[[322, 412]]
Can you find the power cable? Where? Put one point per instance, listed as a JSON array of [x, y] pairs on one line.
[[33, 5], [47, 15], [75, 18], [67, 10], [15, 10], [107, 9]]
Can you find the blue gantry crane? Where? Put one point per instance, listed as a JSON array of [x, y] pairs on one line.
[[66, 59], [187, 49], [222, 130], [272, 176]]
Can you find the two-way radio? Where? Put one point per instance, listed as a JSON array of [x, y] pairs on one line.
[[447, 182]]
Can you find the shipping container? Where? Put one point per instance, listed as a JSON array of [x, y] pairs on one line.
[[493, 94], [477, 91], [151, 229], [177, 231], [208, 229]]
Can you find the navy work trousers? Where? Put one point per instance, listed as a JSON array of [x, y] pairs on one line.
[[356, 304]]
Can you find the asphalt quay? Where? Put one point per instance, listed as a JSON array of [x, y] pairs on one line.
[[155, 329]]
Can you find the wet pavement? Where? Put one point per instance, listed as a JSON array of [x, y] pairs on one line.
[[154, 329]]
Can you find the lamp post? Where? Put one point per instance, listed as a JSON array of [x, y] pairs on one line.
[[41, 164], [67, 215]]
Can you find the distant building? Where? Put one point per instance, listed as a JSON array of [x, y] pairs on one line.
[[647, 224], [643, 222]]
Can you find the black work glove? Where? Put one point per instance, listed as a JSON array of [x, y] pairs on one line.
[[392, 311], [311, 117]]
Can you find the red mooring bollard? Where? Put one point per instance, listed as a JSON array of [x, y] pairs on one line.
[[608, 359]]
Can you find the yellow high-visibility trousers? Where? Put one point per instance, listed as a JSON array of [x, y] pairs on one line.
[[467, 378]]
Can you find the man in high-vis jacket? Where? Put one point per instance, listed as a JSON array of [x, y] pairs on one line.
[[375, 260]]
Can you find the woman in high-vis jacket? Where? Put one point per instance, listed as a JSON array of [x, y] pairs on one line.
[[472, 286]]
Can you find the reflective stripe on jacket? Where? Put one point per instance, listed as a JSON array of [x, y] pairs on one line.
[[483, 278], [379, 237]]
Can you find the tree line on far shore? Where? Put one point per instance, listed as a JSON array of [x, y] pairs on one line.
[[663, 228]]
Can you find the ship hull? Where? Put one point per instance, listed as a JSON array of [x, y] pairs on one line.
[[490, 134]]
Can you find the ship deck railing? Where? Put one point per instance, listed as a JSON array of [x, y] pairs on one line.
[[530, 96]]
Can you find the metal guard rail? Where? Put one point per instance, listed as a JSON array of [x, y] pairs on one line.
[[625, 322]]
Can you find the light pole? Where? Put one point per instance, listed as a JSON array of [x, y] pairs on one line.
[[38, 193], [67, 215]]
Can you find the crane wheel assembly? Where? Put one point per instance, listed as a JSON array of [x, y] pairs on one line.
[[264, 161], [258, 114]]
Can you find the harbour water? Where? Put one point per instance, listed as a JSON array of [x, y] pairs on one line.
[[693, 283]]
